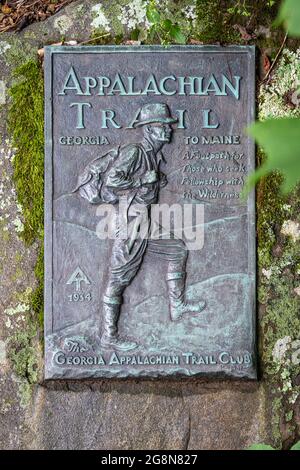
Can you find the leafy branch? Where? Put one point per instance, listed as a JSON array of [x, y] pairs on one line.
[[164, 29], [280, 137], [268, 447]]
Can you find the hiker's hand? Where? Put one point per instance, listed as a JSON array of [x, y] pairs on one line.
[[163, 180], [150, 177]]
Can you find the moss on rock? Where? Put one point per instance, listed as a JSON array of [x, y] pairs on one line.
[[23, 355], [26, 126], [16, 51], [37, 296], [213, 22], [278, 259]]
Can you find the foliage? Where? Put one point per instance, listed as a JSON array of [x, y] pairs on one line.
[[260, 447], [165, 29], [280, 138], [243, 7], [239, 8], [268, 447], [289, 15]]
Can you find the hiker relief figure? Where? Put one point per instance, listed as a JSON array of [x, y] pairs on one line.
[[132, 172]]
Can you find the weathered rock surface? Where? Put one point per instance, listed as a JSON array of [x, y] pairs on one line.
[[145, 415], [132, 414]]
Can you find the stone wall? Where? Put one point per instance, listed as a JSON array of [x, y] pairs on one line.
[[138, 414]]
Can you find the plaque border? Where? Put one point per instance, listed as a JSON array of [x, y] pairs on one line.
[[48, 176]]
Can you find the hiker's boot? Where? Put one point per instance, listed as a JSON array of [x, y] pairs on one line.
[[110, 337], [177, 303]]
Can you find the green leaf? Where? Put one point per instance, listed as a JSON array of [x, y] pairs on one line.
[[281, 140], [167, 25], [289, 14], [260, 447], [177, 35], [152, 14], [296, 446]]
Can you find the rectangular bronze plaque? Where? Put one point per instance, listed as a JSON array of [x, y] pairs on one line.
[[149, 245]]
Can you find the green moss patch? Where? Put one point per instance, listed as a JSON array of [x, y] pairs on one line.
[[26, 126], [278, 260], [23, 354]]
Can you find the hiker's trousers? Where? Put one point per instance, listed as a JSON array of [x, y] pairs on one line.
[[127, 256]]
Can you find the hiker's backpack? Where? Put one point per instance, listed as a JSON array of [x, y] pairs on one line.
[[91, 183]]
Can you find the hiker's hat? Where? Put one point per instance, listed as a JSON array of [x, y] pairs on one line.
[[154, 112]]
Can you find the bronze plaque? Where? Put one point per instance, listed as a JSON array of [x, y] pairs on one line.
[[149, 246]]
